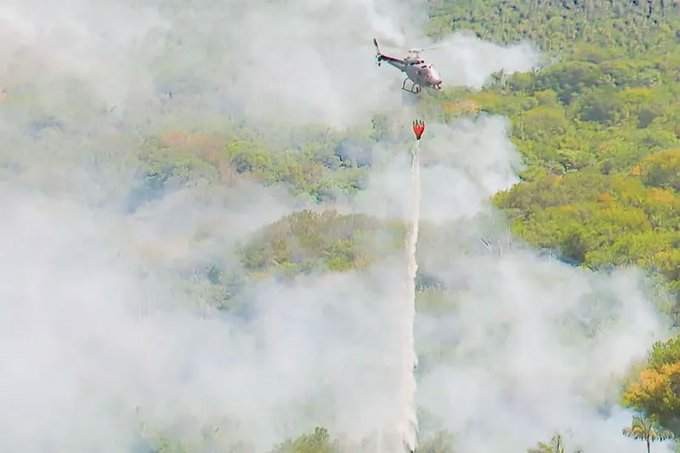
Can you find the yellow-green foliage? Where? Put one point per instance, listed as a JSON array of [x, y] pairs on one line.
[[662, 169], [600, 133], [655, 389], [599, 128], [318, 442], [598, 219], [306, 240]]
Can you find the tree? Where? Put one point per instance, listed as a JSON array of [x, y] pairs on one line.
[[556, 445], [317, 442], [665, 353], [541, 123], [645, 429], [657, 393], [439, 442], [662, 169]]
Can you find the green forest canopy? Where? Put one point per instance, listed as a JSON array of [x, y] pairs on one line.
[[599, 130]]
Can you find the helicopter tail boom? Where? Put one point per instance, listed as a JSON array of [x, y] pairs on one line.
[[380, 57]]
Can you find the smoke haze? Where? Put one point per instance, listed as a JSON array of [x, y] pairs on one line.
[[108, 335]]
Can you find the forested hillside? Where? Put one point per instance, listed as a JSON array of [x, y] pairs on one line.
[[598, 127], [260, 256]]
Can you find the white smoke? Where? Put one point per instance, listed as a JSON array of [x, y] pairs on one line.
[[465, 59], [108, 335], [285, 61], [525, 346], [531, 346]]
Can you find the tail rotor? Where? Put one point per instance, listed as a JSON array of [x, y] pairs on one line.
[[378, 54]]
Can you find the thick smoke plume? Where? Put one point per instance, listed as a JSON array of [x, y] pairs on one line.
[[293, 62], [109, 338], [518, 346]]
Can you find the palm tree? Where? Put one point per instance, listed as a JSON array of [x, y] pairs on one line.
[[556, 445], [644, 429]]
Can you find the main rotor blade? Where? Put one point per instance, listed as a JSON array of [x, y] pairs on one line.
[[390, 44], [423, 49]]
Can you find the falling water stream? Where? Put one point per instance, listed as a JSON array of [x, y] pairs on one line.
[[409, 422]]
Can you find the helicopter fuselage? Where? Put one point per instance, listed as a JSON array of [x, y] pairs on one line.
[[417, 71]]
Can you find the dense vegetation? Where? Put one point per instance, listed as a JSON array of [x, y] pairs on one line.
[[307, 240], [599, 130]]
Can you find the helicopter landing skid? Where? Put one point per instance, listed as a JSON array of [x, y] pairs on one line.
[[415, 88]]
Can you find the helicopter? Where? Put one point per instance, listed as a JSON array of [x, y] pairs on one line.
[[419, 73]]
